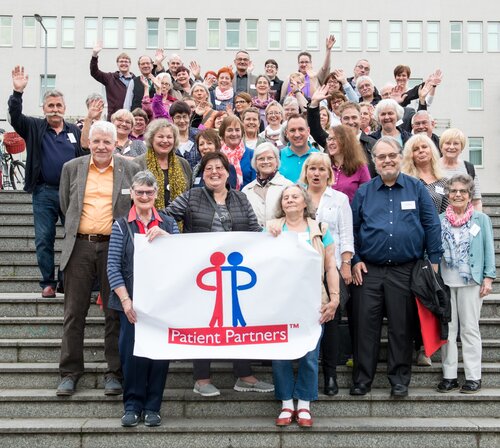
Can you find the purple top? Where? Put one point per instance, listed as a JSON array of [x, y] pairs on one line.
[[350, 184]]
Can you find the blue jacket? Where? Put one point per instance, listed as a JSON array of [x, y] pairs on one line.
[[482, 248]]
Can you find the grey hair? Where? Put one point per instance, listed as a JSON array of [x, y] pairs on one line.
[[263, 147], [93, 97], [364, 78], [146, 178], [463, 179], [155, 126], [103, 126], [390, 141], [309, 211], [52, 94], [290, 100], [165, 75], [389, 103], [205, 88], [274, 103], [421, 112]]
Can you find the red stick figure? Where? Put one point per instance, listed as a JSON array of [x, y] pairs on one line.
[[217, 259]]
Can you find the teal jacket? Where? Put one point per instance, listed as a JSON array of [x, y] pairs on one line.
[[482, 248]]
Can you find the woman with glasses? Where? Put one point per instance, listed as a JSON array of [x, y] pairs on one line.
[[274, 116], [124, 122]]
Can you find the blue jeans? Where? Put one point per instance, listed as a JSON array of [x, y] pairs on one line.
[[305, 387], [46, 212]]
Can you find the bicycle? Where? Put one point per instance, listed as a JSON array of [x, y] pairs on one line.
[[12, 170]]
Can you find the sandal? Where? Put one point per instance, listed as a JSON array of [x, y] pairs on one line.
[[285, 421], [304, 422]]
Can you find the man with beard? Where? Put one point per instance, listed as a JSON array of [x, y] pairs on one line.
[[50, 142]]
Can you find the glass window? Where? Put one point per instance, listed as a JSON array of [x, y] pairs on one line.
[[335, 28], [153, 38], [213, 33], [190, 33], [5, 31], [233, 34], [274, 35], [90, 32], [475, 36], [51, 85], [475, 94], [354, 35], [476, 146], [129, 33], [414, 36], [110, 32], [293, 36], [312, 36], [51, 26], [372, 35], [252, 34], [171, 33], [493, 36], [433, 38], [412, 82], [395, 36], [67, 32], [455, 36], [29, 34]]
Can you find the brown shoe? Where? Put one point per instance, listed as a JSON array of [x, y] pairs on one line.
[[48, 292], [306, 422]]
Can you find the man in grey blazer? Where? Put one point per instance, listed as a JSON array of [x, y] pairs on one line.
[[94, 190], [243, 80]]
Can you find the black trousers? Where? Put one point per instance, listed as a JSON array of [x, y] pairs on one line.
[[330, 345], [384, 287]]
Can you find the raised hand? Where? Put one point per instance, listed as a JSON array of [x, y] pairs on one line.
[[202, 108], [97, 48], [250, 66], [330, 42], [19, 78], [95, 109], [159, 56], [340, 76], [398, 93], [195, 69], [319, 95]]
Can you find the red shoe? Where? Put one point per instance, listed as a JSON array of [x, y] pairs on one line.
[[48, 292], [304, 422], [285, 421]]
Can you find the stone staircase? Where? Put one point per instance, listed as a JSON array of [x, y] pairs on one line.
[[32, 416]]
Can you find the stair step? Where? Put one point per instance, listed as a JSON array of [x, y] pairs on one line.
[[24, 231]]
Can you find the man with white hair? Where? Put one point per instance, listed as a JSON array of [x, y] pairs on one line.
[[94, 191], [388, 112], [423, 123]]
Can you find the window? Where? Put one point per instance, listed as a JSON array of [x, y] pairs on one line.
[[312, 36], [90, 31], [50, 24], [372, 35], [395, 36], [29, 34], [5, 31], [354, 35], [213, 33], [274, 35], [252, 34], [110, 32], [67, 32], [129, 33], [233, 34], [414, 36], [412, 82], [335, 28], [455, 36], [475, 94], [433, 38], [474, 36], [190, 33], [293, 37], [476, 145], [51, 85], [172, 33], [152, 33], [493, 36]]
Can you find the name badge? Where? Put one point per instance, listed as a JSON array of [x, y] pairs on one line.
[[408, 205], [126, 191], [218, 102], [197, 180], [474, 230], [71, 137]]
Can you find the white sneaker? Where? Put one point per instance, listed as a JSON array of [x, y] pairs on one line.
[[206, 390]]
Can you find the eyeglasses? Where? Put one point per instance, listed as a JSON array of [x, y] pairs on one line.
[[148, 193], [363, 67], [272, 112], [242, 59], [462, 192], [271, 66], [240, 102], [390, 156]]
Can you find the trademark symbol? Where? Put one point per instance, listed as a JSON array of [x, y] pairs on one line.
[[294, 325]]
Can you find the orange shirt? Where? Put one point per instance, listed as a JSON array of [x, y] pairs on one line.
[[97, 212]]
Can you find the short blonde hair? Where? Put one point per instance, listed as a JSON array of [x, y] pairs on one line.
[[452, 134], [123, 113], [317, 158]]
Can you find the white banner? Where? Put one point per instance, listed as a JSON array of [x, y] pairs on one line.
[[227, 295]]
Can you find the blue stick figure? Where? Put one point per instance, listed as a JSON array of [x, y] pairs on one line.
[[235, 259]]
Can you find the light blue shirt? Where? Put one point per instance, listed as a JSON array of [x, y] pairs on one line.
[[291, 163]]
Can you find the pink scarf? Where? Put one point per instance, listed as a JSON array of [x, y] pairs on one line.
[[224, 96], [234, 156], [454, 220]]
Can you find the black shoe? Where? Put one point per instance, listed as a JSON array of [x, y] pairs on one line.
[[66, 387], [359, 389], [471, 387], [331, 386], [130, 419], [399, 390], [446, 385], [152, 418], [112, 386]]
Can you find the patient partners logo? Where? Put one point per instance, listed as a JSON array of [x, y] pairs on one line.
[[239, 333]]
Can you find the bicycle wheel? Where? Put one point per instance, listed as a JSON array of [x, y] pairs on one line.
[[16, 174]]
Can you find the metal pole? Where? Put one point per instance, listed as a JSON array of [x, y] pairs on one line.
[[39, 19]]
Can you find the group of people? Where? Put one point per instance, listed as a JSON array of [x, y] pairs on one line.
[[359, 173]]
